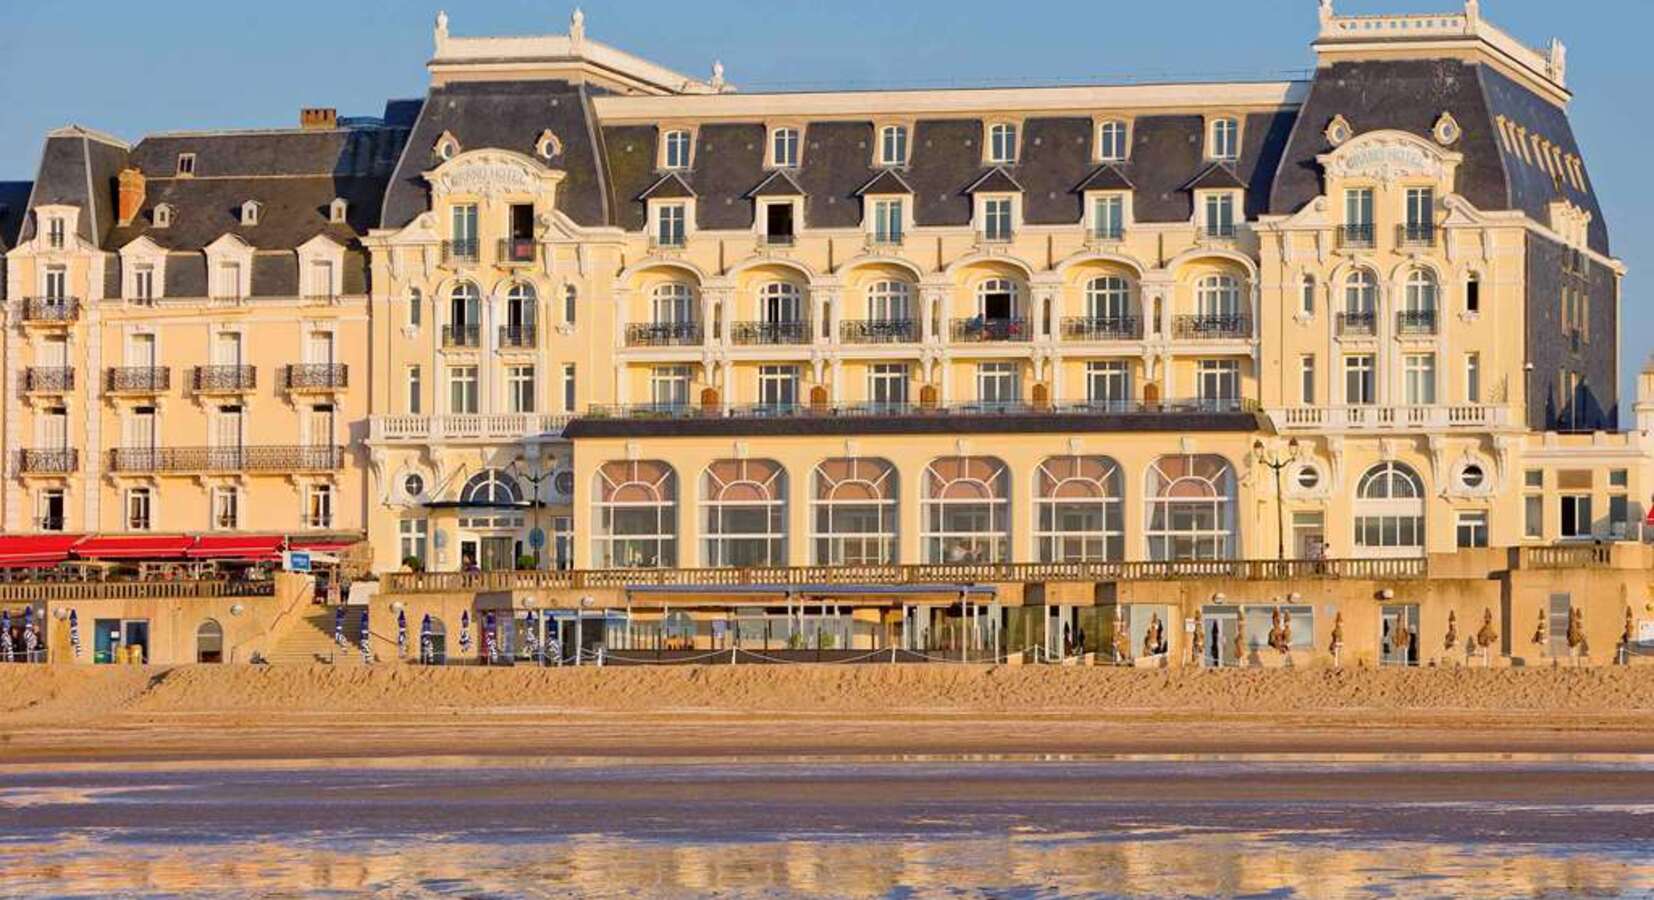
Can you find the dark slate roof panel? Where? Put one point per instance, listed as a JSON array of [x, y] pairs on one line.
[[727, 160], [63, 180], [777, 184], [295, 210], [186, 275], [1056, 152], [1108, 177], [888, 181], [1262, 145], [14, 208], [994, 181], [946, 157], [1218, 176], [837, 161], [402, 113], [104, 163], [340, 151], [1166, 152], [630, 152], [275, 275], [670, 186], [1532, 189]]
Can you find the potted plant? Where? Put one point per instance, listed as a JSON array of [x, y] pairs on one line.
[[413, 563]]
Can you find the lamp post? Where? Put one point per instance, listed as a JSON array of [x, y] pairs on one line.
[[1277, 463], [535, 478]]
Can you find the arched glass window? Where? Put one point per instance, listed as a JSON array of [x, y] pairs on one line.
[[780, 302], [416, 307], [889, 300], [966, 510], [1389, 511], [635, 515], [1108, 297], [1191, 508], [1002, 143], [1421, 291], [1218, 296], [744, 502], [893, 145], [1360, 293], [853, 511], [1078, 515], [673, 303], [520, 304], [491, 487], [1306, 295], [676, 153], [571, 301], [1111, 141], [464, 315]]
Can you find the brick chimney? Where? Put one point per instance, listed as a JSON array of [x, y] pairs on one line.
[[318, 118], [130, 194]]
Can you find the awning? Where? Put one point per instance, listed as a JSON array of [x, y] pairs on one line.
[[31, 550], [135, 546], [259, 547], [321, 545]]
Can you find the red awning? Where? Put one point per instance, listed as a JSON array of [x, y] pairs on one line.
[[258, 547], [135, 546], [320, 546], [31, 550]]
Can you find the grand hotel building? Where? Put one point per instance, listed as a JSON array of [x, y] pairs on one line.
[[571, 305]]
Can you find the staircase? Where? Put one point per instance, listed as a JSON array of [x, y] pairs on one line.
[[311, 641]]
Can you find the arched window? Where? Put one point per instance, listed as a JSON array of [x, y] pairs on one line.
[[464, 315], [416, 307], [1077, 509], [520, 304], [1108, 298], [853, 512], [1111, 141], [491, 487], [889, 300], [996, 299], [1002, 143], [1389, 511], [571, 300], [673, 303], [1421, 292], [780, 302], [1191, 508], [744, 502], [1306, 295], [1360, 293], [966, 510], [635, 515], [1218, 297], [1224, 140], [209, 642]]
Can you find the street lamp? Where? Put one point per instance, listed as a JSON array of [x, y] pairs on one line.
[[535, 478], [1277, 462]]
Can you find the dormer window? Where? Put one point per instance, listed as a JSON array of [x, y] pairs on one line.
[[162, 215], [337, 210], [1223, 139], [56, 232], [1111, 141], [548, 145], [675, 150], [250, 212], [1218, 213], [784, 148], [186, 165], [1002, 143], [893, 145], [447, 147]]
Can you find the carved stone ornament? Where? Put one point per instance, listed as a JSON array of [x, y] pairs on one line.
[[491, 172], [1339, 131], [1388, 157], [1446, 130]]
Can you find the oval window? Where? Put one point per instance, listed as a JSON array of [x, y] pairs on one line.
[[413, 485], [563, 483], [1472, 477], [1309, 477]]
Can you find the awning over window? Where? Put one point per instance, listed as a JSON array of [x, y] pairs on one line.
[[30, 550], [135, 546], [320, 545], [257, 547]]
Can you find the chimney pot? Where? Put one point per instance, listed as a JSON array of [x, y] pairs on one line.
[[318, 118]]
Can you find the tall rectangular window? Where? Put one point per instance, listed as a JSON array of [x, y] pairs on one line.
[[462, 390], [569, 398], [996, 219], [1002, 143], [143, 283], [1576, 515], [1220, 215], [416, 391], [669, 224], [1108, 383], [1108, 217], [1419, 374], [1306, 379], [1421, 210], [778, 387], [887, 221], [519, 389], [1218, 381], [227, 281], [55, 233], [669, 386], [1358, 207], [1473, 378], [414, 537], [1224, 142], [226, 508], [464, 226], [57, 283], [998, 383], [138, 509], [784, 148], [1533, 516], [893, 145], [677, 150], [319, 506], [1359, 386], [50, 506], [887, 385]]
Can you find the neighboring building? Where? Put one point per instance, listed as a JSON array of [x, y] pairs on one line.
[[576, 307]]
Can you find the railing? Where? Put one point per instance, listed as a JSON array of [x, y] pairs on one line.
[[1416, 321], [56, 461], [83, 589], [646, 411], [1416, 234], [663, 334], [1568, 556], [1212, 326], [981, 330], [51, 309], [459, 251], [494, 427], [996, 236], [245, 458], [777, 240], [1425, 25], [1217, 231], [224, 378], [517, 335], [938, 574], [1390, 418], [889, 240], [1108, 234], [461, 335], [1104, 328], [666, 241], [793, 332], [878, 331], [318, 376], [1358, 236], [1357, 323], [516, 250], [138, 379], [48, 379]]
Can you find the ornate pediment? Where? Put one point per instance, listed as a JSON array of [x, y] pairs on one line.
[[1389, 156], [490, 173]]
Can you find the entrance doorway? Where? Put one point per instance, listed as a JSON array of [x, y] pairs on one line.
[[1399, 638], [209, 642]]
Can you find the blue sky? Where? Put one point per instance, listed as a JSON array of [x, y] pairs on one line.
[[127, 69]]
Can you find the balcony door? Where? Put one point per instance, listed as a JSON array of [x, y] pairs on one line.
[[319, 425], [318, 348], [53, 433], [140, 351], [141, 433], [227, 349], [227, 436]]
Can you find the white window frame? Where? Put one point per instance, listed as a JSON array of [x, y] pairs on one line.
[[464, 383], [1221, 146], [1220, 213], [994, 136], [1094, 201], [661, 211], [667, 154], [1114, 375], [143, 255], [1419, 379], [1010, 204], [413, 379], [1052, 540], [994, 496], [903, 136], [318, 505], [880, 481], [223, 253], [784, 147], [226, 508], [1167, 541], [1103, 152], [521, 388], [669, 386], [889, 385], [720, 515], [878, 218], [134, 497], [1002, 379], [1364, 366], [414, 540]]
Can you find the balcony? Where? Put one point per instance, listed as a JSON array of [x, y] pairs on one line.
[[878, 331], [48, 380], [777, 240], [889, 411], [671, 241], [1102, 328], [461, 336], [663, 334], [996, 236], [508, 427], [516, 251], [278, 458], [50, 310], [138, 380], [224, 379], [881, 242], [56, 461], [1106, 234], [1217, 233], [1416, 322], [1416, 235], [456, 252], [979, 330], [1357, 324], [518, 336], [1212, 327], [1470, 417], [318, 377], [1357, 237], [793, 332]]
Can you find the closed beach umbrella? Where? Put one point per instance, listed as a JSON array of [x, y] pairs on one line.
[[401, 634], [465, 631], [339, 626], [491, 637], [5, 635], [426, 649], [31, 640], [74, 632], [530, 633], [367, 639]]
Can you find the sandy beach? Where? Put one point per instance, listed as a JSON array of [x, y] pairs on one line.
[[194, 713]]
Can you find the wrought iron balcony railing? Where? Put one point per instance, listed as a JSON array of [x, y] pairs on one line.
[[796, 331], [138, 379], [518, 335], [1357, 323], [459, 251], [318, 376], [663, 334], [516, 250], [461, 336], [1416, 234], [878, 331], [1102, 328], [777, 240], [979, 329], [1416, 321], [51, 309], [54, 461], [1212, 326], [48, 379], [243, 458], [224, 378], [1359, 236]]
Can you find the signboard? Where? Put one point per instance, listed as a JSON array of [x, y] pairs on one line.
[[1645, 631], [537, 538], [297, 561]]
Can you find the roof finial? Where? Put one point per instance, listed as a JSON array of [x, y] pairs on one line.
[[1472, 11], [441, 29], [577, 27], [1326, 11], [1559, 61], [717, 75]]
